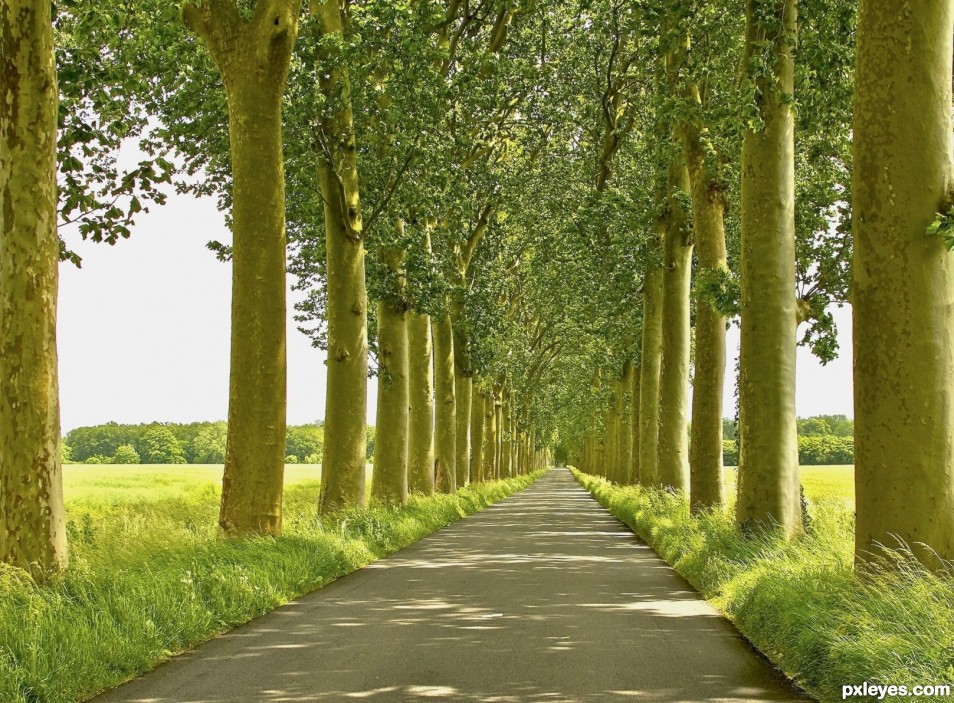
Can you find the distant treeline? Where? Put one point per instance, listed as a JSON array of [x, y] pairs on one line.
[[822, 440], [172, 443]]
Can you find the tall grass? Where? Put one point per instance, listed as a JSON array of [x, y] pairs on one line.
[[799, 602], [150, 578]]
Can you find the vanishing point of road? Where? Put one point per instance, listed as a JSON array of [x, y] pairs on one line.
[[542, 597]]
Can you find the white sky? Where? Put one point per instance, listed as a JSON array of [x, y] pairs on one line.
[[143, 333]]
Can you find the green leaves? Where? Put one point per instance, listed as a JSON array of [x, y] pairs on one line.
[[943, 226], [721, 288]]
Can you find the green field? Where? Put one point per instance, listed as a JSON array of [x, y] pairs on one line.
[[820, 482], [114, 484]]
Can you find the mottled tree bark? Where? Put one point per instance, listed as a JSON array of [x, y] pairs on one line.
[[463, 389], [768, 462], [420, 441], [445, 407], [32, 520], [490, 437], [389, 480], [507, 469], [634, 476], [673, 447], [705, 454], [649, 381], [903, 295], [477, 437], [626, 424], [344, 456], [253, 57]]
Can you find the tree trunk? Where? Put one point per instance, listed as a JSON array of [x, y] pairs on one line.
[[903, 296], [768, 461], [255, 445], [477, 437], [389, 482], [463, 386], [32, 519], [611, 466], [490, 437], [345, 450], [464, 391], [420, 441], [507, 437], [445, 404], [673, 447], [634, 476], [498, 458], [649, 382], [626, 425], [705, 453]]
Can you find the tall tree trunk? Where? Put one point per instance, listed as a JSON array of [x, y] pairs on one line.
[[498, 458], [490, 437], [626, 424], [705, 453], [768, 461], [507, 437], [611, 468], [634, 405], [445, 419], [477, 437], [515, 445], [420, 378], [649, 382], [32, 520], [345, 450], [389, 482], [254, 82], [673, 447], [420, 441], [463, 386], [903, 296]]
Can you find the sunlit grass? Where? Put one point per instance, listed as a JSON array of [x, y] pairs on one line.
[[124, 483], [820, 482], [149, 575], [799, 601]]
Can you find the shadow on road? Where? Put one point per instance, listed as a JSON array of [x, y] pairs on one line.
[[542, 597]]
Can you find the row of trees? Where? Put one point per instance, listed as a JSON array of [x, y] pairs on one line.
[[530, 220], [796, 181], [813, 450], [173, 443], [817, 425]]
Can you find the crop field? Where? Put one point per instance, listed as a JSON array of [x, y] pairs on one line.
[[117, 484], [820, 482]]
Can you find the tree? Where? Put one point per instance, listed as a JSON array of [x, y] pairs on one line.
[[343, 462], [160, 446], [903, 279], [252, 52], [32, 520], [768, 460], [208, 446], [389, 483], [125, 454], [304, 441]]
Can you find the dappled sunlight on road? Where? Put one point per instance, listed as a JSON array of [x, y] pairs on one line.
[[542, 597]]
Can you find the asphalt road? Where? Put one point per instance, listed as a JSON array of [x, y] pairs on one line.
[[543, 597]]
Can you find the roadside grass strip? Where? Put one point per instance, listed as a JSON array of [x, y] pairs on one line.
[[799, 602], [151, 579]]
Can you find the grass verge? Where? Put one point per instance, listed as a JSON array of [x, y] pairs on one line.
[[149, 579], [798, 602]]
